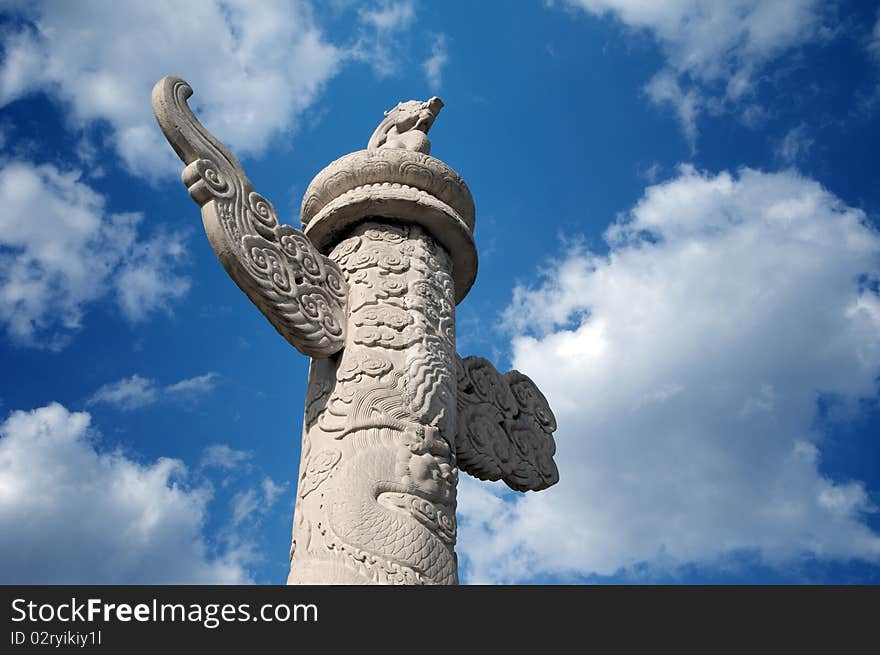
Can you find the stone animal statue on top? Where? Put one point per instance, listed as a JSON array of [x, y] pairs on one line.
[[406, 126]]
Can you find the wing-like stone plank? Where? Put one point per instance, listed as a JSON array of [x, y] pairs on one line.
[[301, 292], [505, 427]]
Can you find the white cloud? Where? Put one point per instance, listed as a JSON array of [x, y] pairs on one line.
[[254, 66], [223, 457], [251, 505], [664, 88], [271, 490], [795, 145], [389, 16], [714, 49], [135, 392], [684, 368], [193, 386], [874, 41], [129, 393], [70, 514], [61, 250], [434, 64], [146, 281], [867, 100], [380, 42], [244, 504]]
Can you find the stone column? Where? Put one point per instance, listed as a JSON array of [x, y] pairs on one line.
[[368, 289], [378, 476]]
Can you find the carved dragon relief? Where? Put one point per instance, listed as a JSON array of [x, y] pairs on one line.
[[301, 292], [392, 412], [378, 483]]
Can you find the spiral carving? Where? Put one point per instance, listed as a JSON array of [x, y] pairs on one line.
[[505, 427], [302, 293]]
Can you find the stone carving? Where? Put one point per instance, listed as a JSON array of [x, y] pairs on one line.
[[369, 289], [379, 490], [505, 427], [394, 183], [406, 126], [300, 291]]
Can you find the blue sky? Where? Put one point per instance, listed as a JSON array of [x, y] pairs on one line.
[[677, 221]]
